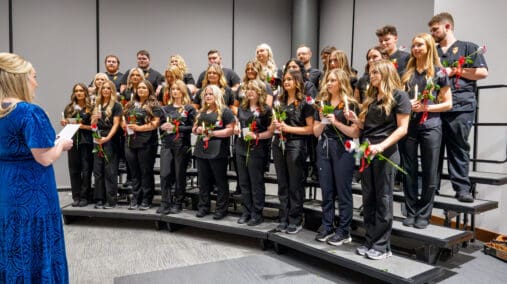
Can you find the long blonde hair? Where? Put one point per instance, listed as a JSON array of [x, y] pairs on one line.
[[185, 100], [14, 77], [345, 88], [140, 71], [432, 59], [218, 94], [260, 89], [112, 99], [389, 83]]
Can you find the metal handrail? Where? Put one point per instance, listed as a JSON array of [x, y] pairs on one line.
[[474, 159]]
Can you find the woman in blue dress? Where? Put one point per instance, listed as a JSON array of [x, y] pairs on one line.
[[32, 247]]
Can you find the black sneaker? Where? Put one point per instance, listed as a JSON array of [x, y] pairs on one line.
[[409, 221], [175, 209], [201, 213], [144, 206], [109, 206], [162, 208], [255, 221], [323, 235], [294, 229], [133, 206], [98, 205], [83, 203], [219, 215], [339, 239], [75, 203], [282, 227], [245, 217], [421, 223], [465, 197]]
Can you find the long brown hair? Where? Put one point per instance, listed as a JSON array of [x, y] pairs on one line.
[[71, 109], [389, 83]]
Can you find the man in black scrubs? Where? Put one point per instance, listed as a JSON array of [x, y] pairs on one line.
[[388, 39], [152, 75], [457, 122], [231, 77], [112, 63], [304, 54]]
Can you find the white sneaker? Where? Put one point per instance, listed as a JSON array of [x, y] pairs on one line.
[[362, 250], [375, 254]]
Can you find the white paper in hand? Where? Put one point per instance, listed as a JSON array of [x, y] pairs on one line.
[[67, 132]]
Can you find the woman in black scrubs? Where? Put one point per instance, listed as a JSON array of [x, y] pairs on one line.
[[105, 122], [384, 120], [425, 128], [335, 164], [214, 125], [175, 127], [289, 150], [254, 116], [80, 157], [142, 115]]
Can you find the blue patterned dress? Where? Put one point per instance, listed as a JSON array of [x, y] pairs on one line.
[[32, 247]]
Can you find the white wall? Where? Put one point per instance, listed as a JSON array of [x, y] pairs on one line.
[[189, 28], [61, 46], [481, 24], [262, 21], [4, 25]]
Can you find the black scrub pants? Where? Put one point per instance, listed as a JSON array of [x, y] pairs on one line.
[[290, 172], [105, 172], [141, 162], [80, 162], [213, 171], [173, 165], [429, 140], [377, 182]]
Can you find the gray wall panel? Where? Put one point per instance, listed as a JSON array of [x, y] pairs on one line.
[[61, 46], [4, 25], [189, 28], [409, 16], [335, 25], [262, 21]]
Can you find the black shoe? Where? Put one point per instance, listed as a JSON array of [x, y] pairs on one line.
[[294, 229], [98, 205], [339, 239], [244, 218], [144, 206], [237, 192], [421, 223], [255, 221], [219, 215], [323, 235], [133, 205], [162, 208], [75, 203], [465, 197], [201, 213], [409, 221], [175, 209], [83, 203], [282, 227], [109, 206]]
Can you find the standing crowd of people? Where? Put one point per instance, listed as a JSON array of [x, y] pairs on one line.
[[401, 114], [405, 105]]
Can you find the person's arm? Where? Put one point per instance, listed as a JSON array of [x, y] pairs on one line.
[[46, 156], [402, 120], [223, 133], [112, 132], [150, 126], [300, 130]]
